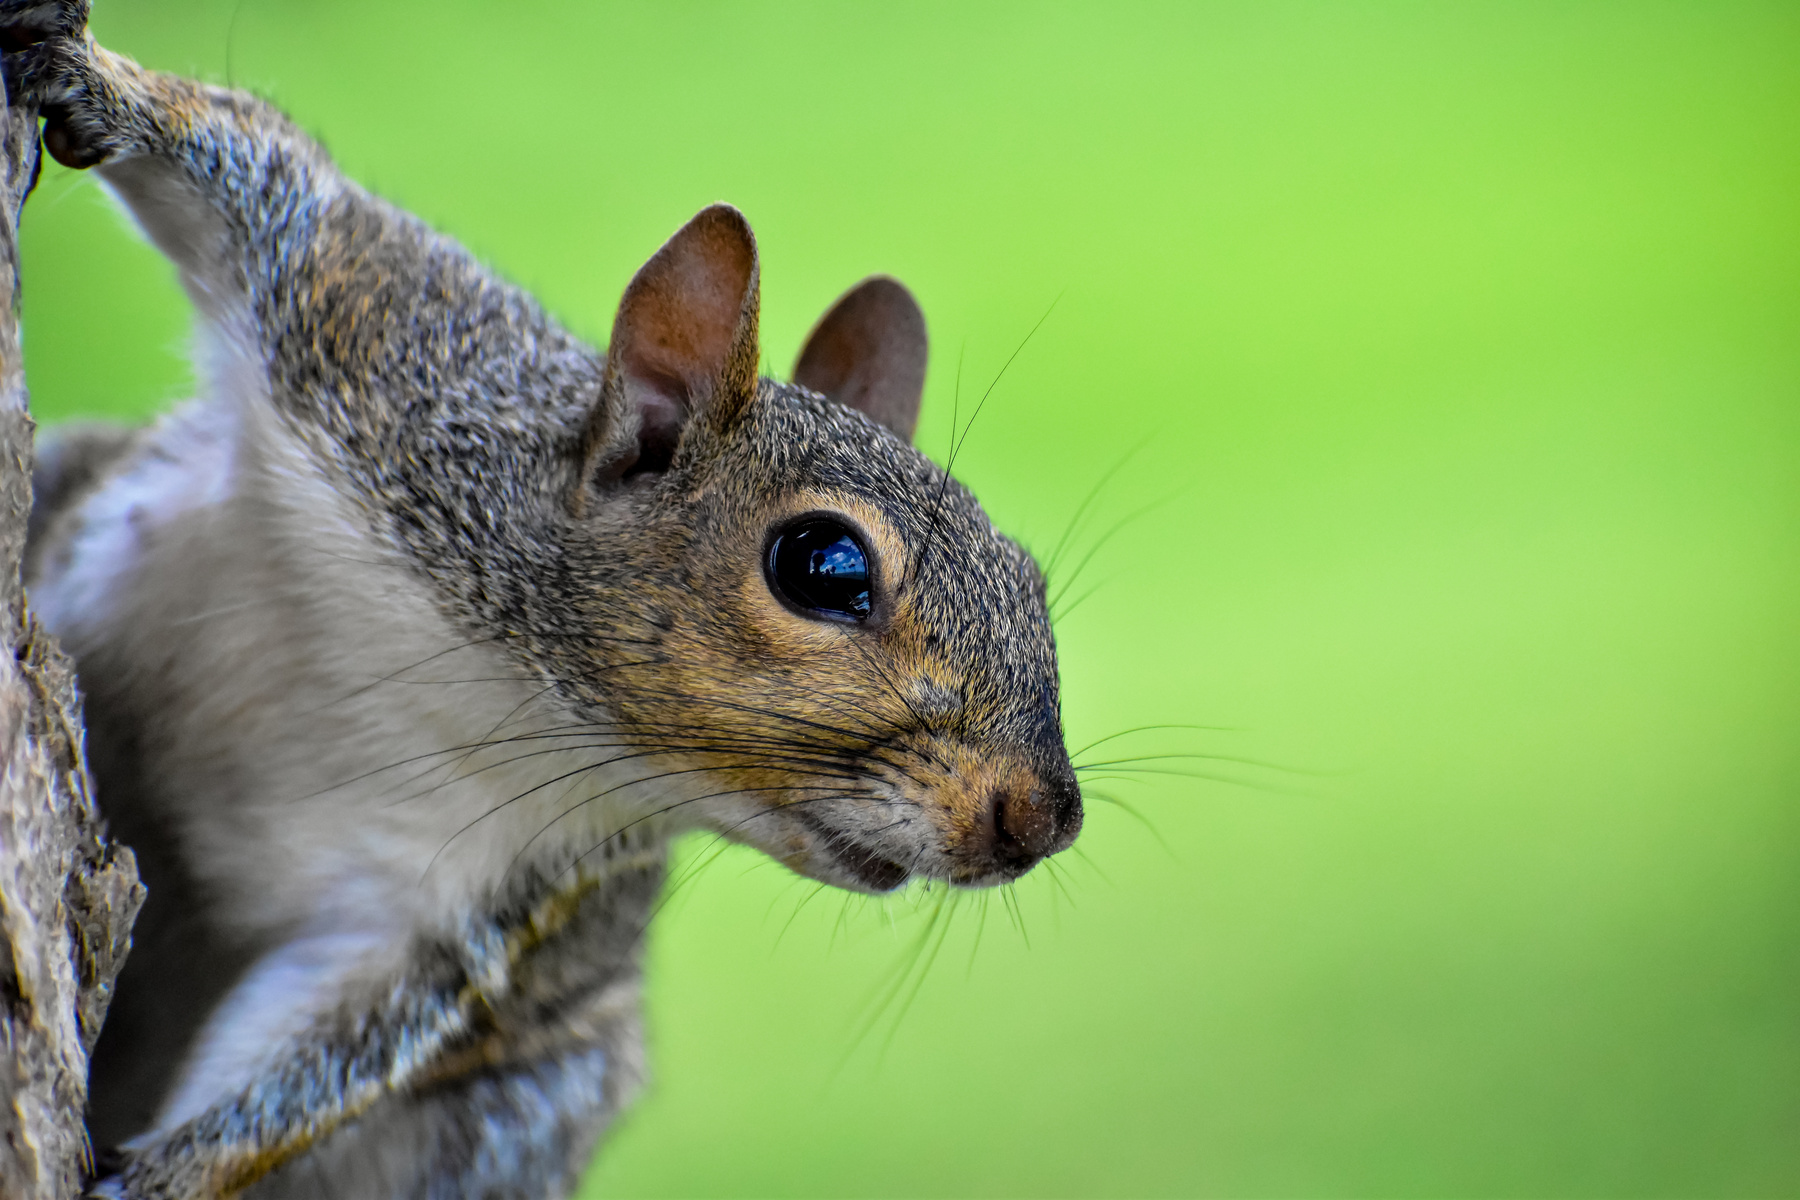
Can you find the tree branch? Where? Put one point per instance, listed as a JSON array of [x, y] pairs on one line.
[[68, 894]]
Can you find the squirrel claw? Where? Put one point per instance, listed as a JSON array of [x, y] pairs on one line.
[[42, 43], [57, 74], [66, 146]]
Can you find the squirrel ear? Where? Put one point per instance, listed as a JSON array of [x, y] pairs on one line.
[[683, 346], [868, 353]]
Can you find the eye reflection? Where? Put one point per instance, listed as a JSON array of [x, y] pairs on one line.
[[819, 566]]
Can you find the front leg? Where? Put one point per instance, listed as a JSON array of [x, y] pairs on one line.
[[487, 1067], [209, 172], [519, 1131], [356, 313]]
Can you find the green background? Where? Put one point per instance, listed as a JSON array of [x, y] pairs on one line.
[[1459, 347]]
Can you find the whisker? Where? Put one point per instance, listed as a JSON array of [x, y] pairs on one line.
[[956, 447], [1135, 515], [945, 910], [660, 812], [1088, 500], [1113, 737], [1230, 758], [1140, 818], [793, 916]]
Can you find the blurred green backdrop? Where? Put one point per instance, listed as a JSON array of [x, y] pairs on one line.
[[1460, 349]]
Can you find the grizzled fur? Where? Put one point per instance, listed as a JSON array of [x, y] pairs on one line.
[[491, 1108], [408, 646]]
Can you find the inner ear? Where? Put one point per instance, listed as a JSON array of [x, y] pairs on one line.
[[868, 353], [684, 347]]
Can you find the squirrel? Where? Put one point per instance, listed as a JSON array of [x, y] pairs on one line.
[[408, 646]]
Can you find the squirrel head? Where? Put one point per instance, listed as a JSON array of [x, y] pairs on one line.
[[817, 635]]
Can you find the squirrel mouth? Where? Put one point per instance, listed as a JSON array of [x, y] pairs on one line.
[[872, 871]]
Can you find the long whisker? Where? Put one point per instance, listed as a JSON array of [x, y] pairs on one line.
[[1230, 758], [1087, 502], [956, 446], [1135, 515], [1113, 737]]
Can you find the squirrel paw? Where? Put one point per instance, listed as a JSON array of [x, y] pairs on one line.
[[27, 22], [49, 61]]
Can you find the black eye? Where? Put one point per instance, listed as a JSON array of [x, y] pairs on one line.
[[819, 566]]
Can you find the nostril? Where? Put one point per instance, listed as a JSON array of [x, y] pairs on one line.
[[1023, 826], [1006, 846]]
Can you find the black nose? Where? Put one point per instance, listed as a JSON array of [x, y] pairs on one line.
[[1032, 825]]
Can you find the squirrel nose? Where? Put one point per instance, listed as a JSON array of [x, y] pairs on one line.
[[1032, 824]]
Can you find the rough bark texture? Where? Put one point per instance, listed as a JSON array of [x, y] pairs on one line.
[[67, 894]]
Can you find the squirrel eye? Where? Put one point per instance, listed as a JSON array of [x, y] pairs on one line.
[[820, 567]]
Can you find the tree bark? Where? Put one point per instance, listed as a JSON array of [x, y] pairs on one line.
[[68, 894]]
